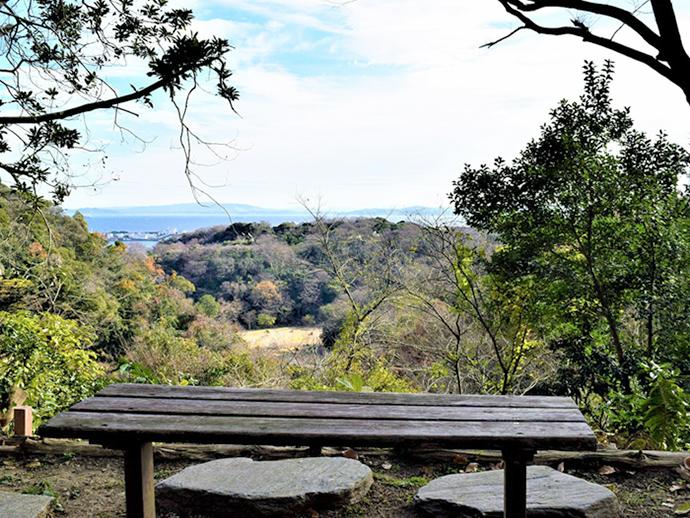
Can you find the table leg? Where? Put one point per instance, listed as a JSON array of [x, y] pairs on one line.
[[515, 482], [315, 451], [139, 491]]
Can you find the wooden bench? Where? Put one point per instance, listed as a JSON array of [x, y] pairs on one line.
[[130, 417]]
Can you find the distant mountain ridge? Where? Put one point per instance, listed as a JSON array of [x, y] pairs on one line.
[[241, 211]]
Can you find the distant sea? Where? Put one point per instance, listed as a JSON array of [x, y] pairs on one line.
[[159, 221], [178, 224]]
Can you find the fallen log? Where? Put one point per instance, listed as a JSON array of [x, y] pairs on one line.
[[628, 459]]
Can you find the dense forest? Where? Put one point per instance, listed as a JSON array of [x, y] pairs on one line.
[[572, 277]]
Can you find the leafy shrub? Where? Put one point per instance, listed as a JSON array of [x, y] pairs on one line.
[[47, 357], [666, 407], [161, 355], [654, 412], [251, 369], [208, 305], [264, 320]]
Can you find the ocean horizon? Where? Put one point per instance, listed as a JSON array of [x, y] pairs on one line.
[[106, 224]]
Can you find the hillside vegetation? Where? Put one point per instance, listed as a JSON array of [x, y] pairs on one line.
[[575, 281]]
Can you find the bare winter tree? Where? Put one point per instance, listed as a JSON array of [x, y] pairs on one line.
[[657, 44]]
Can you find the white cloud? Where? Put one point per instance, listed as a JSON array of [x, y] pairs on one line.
[[382, 105]]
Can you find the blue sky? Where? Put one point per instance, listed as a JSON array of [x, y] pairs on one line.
[[371, 103]]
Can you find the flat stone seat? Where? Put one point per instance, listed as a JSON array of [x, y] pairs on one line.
[[242, 487], [550, 494], [17, 505]]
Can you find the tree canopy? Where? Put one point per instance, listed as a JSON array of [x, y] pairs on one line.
[[658, 45], [57, 67], [592, 213]]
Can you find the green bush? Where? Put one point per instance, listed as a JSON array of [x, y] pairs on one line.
[[666, 408], [653, 415], [160, 355], [47, 357], [264, 320]]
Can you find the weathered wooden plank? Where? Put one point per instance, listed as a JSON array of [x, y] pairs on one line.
[[111, 428], [363, 398], [171, 406]]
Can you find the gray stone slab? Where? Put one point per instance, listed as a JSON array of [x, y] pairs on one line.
[[550, 494], [16, 505], [242, 487]]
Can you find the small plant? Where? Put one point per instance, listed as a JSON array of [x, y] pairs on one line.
[[68, 455], [136, 372], [42, 488], [355, 383], [7, 480], [665, 410]]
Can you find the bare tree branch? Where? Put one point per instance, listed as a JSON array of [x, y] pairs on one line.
[[84, 108], [669, 58]]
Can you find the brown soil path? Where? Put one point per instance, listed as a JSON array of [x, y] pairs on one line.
[[93, 487]]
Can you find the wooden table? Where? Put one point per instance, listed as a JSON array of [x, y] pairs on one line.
[[130, 417]]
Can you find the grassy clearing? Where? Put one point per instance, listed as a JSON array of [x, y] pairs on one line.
[[282, 338]]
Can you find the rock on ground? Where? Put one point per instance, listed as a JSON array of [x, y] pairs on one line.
[[550, 494], [16, 505], [242, 487]]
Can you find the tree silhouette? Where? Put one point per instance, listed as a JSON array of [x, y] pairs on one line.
[[660, 48], [60, 62]]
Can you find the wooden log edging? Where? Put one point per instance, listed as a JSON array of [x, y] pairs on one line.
[[629, 459]]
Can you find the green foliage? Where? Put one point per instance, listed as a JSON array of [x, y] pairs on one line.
[[665, 409], [623, 413], [472, 322], [246, 369], [592, 215], [42, 488], [46, 356], [214, 334], [208, 306], [304, 378], [172, 359], [162, 356], [14, 293], [55, 56], [135, 372], [264, 320], [354, 383], [654, 415]]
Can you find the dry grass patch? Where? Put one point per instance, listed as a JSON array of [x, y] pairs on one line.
[[282, 338]]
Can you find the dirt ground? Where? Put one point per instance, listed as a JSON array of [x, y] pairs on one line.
[[93, 487]]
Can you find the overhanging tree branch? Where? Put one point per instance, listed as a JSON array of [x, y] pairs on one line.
[[625, 17], [669, 58], [55, 53], [84, 108]]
